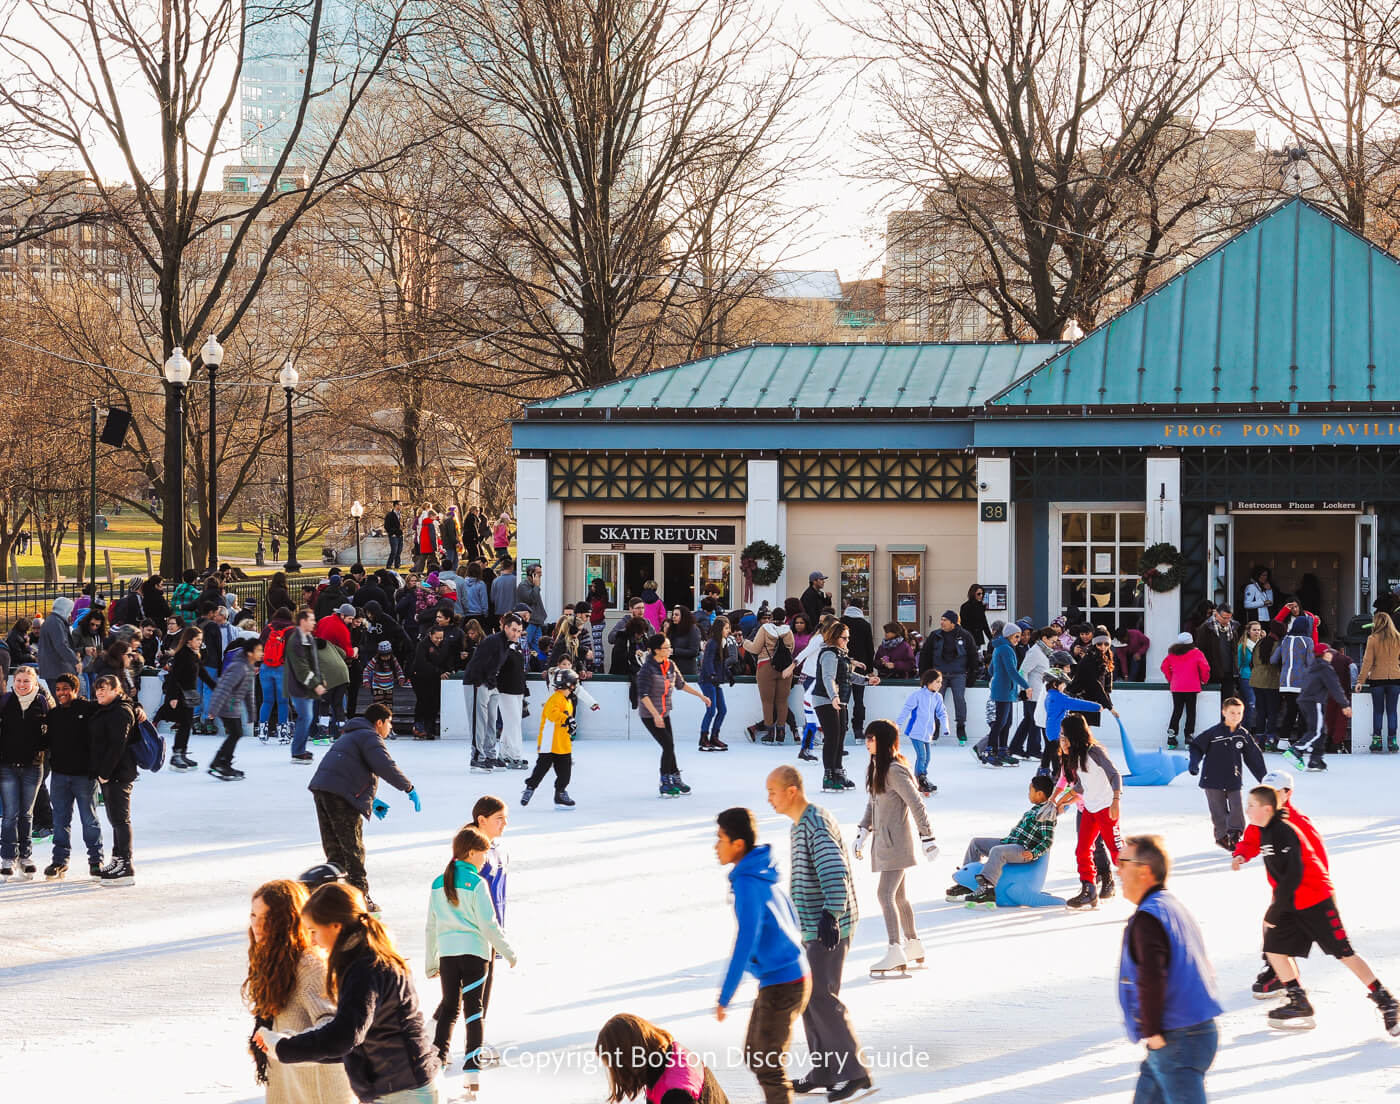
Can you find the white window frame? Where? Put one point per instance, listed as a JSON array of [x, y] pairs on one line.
[[1054, 577]]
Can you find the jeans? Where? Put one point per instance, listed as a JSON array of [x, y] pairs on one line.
[[18, 788], [1176, 1074], [274, 697], [1266, 712], [301, 727], [395, 550], [995, 742], [233, 732], [996, 855], [714, 715], [425, 1094], [1384, 699], [68, 791], [955, 683], [116, 799], [1247, 696], [921, 757], [482, 706]]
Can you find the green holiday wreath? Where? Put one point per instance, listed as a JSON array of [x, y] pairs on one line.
[[1158, 577], [762, 562]]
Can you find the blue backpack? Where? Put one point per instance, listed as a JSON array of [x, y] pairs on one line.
[[149, 747]]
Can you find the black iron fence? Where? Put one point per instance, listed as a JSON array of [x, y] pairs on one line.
[[35, 599]]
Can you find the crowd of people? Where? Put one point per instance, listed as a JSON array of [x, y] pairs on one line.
[[327, 665]]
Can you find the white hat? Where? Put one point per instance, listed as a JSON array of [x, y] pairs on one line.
[[1186, 638], [1278, 779]]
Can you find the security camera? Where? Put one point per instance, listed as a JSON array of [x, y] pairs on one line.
[[983, 486]]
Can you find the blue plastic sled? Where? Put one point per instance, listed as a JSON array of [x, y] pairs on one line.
[[1020, 884], [1151, 768]]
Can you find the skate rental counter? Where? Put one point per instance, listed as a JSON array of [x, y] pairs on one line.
[[1244, 414]]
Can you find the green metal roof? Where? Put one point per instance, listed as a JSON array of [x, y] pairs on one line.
[[823, 377], [1296, 309]]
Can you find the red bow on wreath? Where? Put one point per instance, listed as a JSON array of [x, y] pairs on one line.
[[747, 565]]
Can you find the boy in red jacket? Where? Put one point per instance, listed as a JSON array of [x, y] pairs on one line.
[[1303, 912]]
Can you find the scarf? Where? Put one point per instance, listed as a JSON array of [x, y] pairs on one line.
[[26, 700]]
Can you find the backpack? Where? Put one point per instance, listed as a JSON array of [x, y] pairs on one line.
[[276, 649], [782, 655], [148, 749]]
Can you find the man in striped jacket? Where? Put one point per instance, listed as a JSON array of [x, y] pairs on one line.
[[825, 898]]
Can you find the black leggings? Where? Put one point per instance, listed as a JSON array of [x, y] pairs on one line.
[[833, 725], [662, 735], [464, 982], [1183, 701], [1288, 727], [182, 717]]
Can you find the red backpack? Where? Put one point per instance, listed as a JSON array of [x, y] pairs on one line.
[[276, 647]]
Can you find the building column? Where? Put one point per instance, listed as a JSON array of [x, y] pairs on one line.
[[539, 529], [765, 519], [994, 565], [1162, 619]]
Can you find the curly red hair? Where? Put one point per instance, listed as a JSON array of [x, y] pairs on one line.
[[273, 961]]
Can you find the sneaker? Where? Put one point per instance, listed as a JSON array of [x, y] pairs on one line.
[[304, 758], [957, 893], [1294, 1014], [1267, 985], [55, 871], [118, 872], [526, 794], [563, 800], [854, 1089]]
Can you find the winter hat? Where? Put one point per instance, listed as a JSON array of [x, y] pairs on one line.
[[434, 578], [1025, 624], [1278, 779], [346, 610], [853, 611], [385, 648], [1010, 629], [1058, 622], [1185, 638], [951, 615], [1322, 649], [520, 607], [1101, 638]]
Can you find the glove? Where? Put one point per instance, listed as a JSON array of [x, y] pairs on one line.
[[828, 931], [380, 807], [930, 848], [862, 834], [1195, 771], [271, 1039], [413, 797]]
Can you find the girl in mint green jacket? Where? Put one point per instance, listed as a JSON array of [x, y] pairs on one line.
[[461, 937]]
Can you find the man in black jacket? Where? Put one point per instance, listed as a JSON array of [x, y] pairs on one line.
[[479, 683], [814, 600], [372, 589], [951, 649], [112, 727], [861, 649], [71, 778], [1218, 639], [344, 786], [393, 529]]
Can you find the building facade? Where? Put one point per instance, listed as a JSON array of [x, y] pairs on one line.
[[1247, 413]]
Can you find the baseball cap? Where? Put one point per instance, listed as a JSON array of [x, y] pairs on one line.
[[812, 578], [1278, 779]]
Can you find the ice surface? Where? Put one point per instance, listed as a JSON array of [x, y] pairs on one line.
[[132, 994]]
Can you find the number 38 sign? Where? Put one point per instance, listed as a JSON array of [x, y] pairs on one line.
[[994, 511]]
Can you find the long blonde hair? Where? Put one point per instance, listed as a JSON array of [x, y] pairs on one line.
[[1384, 627]]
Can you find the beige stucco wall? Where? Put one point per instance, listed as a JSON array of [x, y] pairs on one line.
[[948, 529]]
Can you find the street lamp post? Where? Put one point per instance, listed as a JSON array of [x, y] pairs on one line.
[[176, 372], [288, 379], [213, 355], [357, 511]]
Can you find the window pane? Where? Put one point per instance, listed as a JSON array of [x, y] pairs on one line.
[[1074, 559], [1103, 527], [1132, 527], [1105, 560], [1072, 527], [1101, 593], [1128, 557], [1130, 593], [1072, 593]]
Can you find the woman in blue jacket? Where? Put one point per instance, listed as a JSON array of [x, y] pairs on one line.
[[1007, 682], [377, 1029]]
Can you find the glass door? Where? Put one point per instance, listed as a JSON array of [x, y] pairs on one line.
[[602, 565], [854, 581], [710, 568], [1366, 581], [906, 585], [1222, 559]]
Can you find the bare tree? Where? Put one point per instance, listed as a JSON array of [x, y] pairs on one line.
[[1328, 77], [93, 76], [1059, 145], [577, 123]]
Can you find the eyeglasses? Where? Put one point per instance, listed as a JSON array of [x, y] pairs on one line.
[[1130, 862]]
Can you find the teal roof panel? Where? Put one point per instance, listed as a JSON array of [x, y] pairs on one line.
[[834, 377], [1296, 308]]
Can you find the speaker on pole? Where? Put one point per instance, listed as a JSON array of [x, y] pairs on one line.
[[114, 429]]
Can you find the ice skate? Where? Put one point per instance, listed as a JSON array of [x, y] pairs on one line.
[[261, 731], [1295, 1014], [1389, 1009], [1267, 985], [118, 872], [1107, 888], [704, 741], [716, 744], [962, 734], [526, 794], [846, 783], [984, 898], [1087, 898], [1376, 744], [1171, 740], [1295, 759], [856, 1089], [957, 894], [180, 762], [667, 788], [54, 872], [480, 764], [562, 800], [225, 773], [489, 1057], [913, 952], [7, 870], [1393, 745], [679, 784], [26, 870], [831, 783], [893, 965], [924, 787]]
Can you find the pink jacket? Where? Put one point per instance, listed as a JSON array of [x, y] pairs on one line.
[[1186, 672]]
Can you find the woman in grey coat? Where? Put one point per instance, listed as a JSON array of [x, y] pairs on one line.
[[894, 798]]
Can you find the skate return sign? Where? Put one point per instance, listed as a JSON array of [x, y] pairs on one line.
[[701, 535]]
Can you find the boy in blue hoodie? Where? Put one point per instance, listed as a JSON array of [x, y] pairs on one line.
[[769, 946], [923, 719], [1005, 685]]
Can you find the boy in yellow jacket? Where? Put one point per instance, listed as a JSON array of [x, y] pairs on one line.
[[556, 740]]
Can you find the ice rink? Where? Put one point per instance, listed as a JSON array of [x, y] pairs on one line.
[[132, 994]]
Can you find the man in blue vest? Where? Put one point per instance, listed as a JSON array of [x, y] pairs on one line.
[[1166, 985]]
